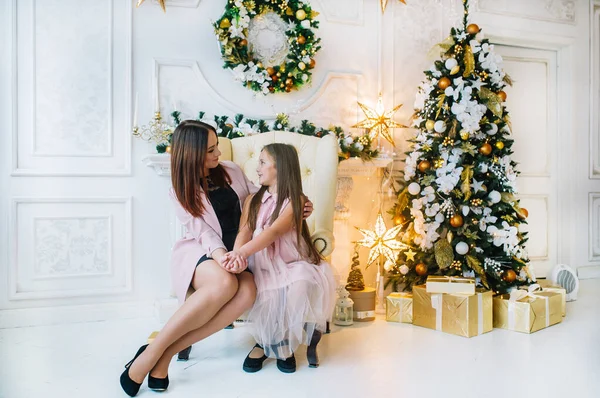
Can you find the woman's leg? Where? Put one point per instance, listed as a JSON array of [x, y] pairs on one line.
[[242, 301], [214, 288]]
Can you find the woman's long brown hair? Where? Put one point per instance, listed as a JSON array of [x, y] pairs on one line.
[[188, 156], [289, 186]]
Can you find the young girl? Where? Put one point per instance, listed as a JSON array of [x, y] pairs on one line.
[[295, 288]]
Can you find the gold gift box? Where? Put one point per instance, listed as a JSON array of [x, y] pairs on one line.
[[399, 307], [465, 315], [532, 313], [450, 284], [547, 286]]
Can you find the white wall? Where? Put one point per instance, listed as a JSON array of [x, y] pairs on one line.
[[73, 178]]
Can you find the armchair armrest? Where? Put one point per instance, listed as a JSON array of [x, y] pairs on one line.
[[324, 241]]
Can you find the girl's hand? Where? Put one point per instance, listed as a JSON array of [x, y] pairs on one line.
[[234, 262], [308, 208]]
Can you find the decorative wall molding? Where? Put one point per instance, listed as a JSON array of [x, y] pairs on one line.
[[346, 12], [69, 247], [542, 232], [595, 91], [594, 226], [320, 90], [51, 141], [60, 315], [546, 132], [561, 11]]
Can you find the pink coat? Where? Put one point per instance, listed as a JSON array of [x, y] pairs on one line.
[[203, 234]]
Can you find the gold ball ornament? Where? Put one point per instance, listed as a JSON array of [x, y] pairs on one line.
[[289, 11], [424, 165], [523, 213], [301, 39], [429, 124], [500, 145], [270, 70], [312, 63], [421, 269], [278, 74], [444, 83], [509, 276], [473, 29], [275, 78], [502, 95], [464, 135], [288, 89], [301, 15], [301, 66], [244, 43], [399, 219], [289, 82], [168, 149], [485, 149], [456, 221]]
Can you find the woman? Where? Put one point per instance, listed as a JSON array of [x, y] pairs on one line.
[[213, 292]]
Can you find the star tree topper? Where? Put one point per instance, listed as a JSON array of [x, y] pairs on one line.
[[379, 121], [381, 241]]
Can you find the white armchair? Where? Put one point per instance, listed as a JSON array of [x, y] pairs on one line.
[[318, 165]]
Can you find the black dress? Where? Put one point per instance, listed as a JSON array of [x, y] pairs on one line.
[[226, 204]]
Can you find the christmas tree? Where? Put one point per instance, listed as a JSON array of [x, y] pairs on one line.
[[355, 277], [459, 210]]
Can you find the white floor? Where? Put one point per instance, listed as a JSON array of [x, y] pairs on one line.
[[375, 359]]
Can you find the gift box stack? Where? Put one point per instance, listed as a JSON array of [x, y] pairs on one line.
[[452, 305]]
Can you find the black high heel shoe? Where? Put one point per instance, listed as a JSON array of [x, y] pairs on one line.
[[184, 354], [252, 365], [311, 350], [157, 384], [130, 387]]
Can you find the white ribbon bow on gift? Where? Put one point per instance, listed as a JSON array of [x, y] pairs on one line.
[[436, 304], [519, 294]]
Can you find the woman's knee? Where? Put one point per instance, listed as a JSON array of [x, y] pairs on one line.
[[226, 286]]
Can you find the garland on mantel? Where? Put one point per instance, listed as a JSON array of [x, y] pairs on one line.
[[239, 126]]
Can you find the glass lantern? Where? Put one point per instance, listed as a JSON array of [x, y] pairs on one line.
[[344, 312]]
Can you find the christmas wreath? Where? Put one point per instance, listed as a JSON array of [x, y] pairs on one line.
[[288, 25]]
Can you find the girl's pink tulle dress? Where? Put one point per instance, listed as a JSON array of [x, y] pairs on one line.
[[294, 297]]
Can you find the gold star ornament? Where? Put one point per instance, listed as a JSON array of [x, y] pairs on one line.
[[161, 2], [381, 241], [379, 121]]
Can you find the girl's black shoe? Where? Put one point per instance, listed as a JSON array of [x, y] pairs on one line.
[[156, 384], [184, 354], [287, 365], [252, 365], [311, 350], [130, 387]]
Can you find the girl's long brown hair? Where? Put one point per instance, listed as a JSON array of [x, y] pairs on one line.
[[289, 186], [188, 156]]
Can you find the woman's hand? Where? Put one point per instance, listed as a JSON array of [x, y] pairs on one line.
[[308, 208], [234, 262]]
